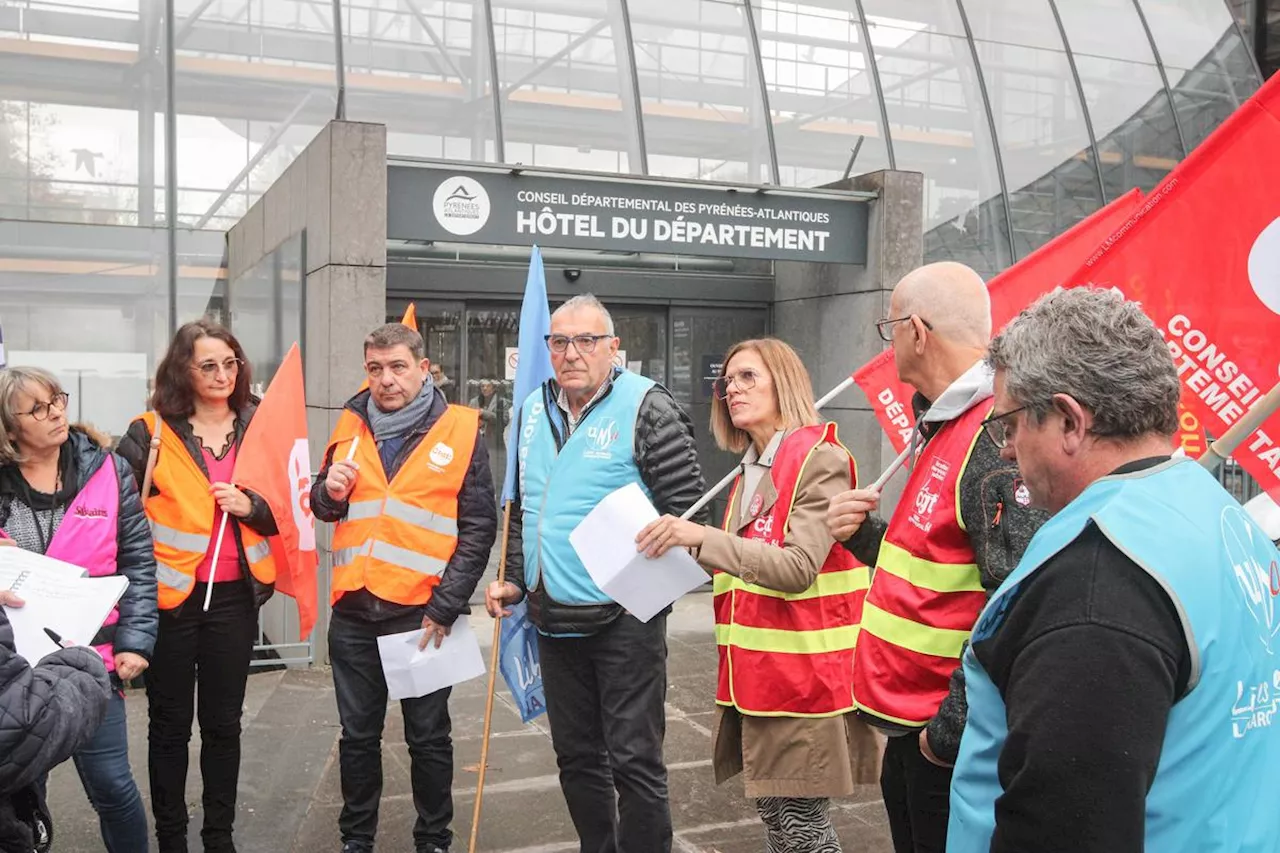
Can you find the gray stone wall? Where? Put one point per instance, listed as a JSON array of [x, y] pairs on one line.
[[828, 312], [335, 192]]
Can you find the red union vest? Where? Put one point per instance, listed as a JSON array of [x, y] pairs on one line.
[[789, 654], [927, 592]]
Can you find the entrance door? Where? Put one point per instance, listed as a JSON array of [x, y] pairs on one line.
[[493, 333], [699, 339]]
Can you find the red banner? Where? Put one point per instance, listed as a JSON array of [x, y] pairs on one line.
[[1190, 437], [1011, 291], [1202, 255]]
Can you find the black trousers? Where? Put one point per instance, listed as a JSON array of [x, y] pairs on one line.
[[917, 796], [213, 649], [362, 709], [606, 702]]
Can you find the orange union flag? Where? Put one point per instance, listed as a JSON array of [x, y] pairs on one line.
[[274, 462]]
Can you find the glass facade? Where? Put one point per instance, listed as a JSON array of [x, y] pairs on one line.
[[1023, 116]]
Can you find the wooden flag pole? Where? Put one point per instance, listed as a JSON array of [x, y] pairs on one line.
[[493, 677], [1220, 450]]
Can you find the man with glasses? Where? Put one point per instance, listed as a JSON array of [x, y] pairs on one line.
[[406, 478], [590, 431], [1123, 681], [960, 526]]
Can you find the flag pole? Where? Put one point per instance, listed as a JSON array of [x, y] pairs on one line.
[[733, 474], [1219, 451], [493, 676]]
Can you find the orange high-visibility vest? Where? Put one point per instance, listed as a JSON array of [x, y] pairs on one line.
[[927, 591], [181, 516], [789, 654], [398, 536]]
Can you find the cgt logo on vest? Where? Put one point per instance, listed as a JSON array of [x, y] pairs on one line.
[[1260, 584], [600, 438], [441, 455], [927, 498]]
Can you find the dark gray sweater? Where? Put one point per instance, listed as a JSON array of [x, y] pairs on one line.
[[988, 491]]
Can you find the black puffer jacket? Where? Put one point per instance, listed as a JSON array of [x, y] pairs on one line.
[[667, 456], [46, 713], [477, 526], [136, 445], [82, 455]]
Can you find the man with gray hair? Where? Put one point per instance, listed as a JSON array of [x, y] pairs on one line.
[[959, 528], [1122, 682], [594, 429]]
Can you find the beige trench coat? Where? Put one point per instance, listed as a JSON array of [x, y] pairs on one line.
[[786, 756]]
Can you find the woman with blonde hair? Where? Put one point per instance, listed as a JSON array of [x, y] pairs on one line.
[[63, 494], [788, 602]]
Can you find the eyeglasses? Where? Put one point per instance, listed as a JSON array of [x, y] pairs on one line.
[[745, 380], [585, 344], [209, 369], [40, 411], [885, 327], [996, 428]]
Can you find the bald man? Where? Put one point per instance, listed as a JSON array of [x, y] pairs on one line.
[[960, 527]]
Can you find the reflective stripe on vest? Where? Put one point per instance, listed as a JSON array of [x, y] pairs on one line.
[[392, 508], [927, 591], [181, 515], [789, 654], [397, 537]]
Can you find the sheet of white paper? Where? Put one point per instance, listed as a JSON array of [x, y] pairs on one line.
[[411, 673], [605, 542], [56, 597]]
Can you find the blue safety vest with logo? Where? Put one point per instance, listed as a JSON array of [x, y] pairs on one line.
[[598, 459], [1215, 786]]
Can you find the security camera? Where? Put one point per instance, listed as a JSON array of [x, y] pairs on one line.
[[573, 274]]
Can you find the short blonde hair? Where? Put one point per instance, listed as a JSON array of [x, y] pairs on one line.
[[792, 392], [13, 381]]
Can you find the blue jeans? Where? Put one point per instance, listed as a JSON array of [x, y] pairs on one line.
[[103, 764]]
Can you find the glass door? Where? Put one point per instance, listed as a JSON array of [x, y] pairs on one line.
[[492, 337]]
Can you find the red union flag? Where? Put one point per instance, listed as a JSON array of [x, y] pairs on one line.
[[1202, 255], [1013, 290], [274, 462]]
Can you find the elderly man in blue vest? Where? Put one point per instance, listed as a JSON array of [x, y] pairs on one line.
[[591, 430], [1123, 680]]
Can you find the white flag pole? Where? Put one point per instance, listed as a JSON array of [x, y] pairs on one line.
[[213, 566]]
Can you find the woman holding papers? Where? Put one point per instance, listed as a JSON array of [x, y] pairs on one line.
[[63, 495], [212, 575], [788, 601]]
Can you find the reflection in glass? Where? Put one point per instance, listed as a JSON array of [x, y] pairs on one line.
[[938, 123], [1105, 28], [821, 95], [266, 310], [935, 16], [1133, 121], [703, 112], [1186, 30], [421, 67], [492, 333], [1028, 23], [1044, 143], [565, 78]]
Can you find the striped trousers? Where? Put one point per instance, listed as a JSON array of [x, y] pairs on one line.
[[798, 825]]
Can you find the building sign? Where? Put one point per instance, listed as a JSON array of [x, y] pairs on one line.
[[455, 206]]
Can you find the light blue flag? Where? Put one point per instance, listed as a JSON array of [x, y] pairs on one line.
[[518, 646]]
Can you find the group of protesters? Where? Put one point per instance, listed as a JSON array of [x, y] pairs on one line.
[[1043, 647]]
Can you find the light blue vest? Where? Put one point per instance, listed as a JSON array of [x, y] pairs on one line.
[[1217, 786], [598, 458]]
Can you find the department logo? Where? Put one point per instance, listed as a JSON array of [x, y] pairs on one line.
[[1257, 572], [461, 206], [442, 454]]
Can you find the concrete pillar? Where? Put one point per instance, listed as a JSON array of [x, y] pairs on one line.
[[335, 192], [828, 311]]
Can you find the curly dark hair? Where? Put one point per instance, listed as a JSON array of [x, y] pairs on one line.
[[174, 396]]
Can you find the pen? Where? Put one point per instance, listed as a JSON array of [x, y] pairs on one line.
[[57, 640]]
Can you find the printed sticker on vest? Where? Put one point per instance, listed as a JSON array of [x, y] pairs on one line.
[[600, 438], [757, 501], [1021, 493], [441, 455], [90, 512], [927, 498], [763, 526]]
